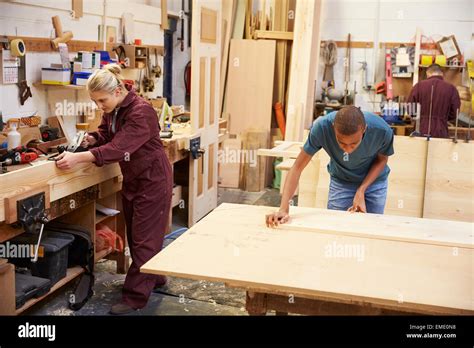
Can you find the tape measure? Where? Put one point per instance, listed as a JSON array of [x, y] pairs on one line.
[[17, 48]]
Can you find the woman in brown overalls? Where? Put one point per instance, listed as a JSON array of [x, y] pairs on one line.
[[129, 134]]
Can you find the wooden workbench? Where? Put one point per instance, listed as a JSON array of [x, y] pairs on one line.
[[86, 185], [404, 264]]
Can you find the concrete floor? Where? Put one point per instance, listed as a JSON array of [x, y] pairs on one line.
[[179, 296]]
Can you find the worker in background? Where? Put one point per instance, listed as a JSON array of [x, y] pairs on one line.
[[437, 97], [129, 134], [359, 145]]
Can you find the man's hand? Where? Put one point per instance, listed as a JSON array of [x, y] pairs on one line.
[[358, 205], [89, 140], [280, 217], [67, 160]]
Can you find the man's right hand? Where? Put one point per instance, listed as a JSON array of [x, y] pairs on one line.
[[88, 141], [280, 217]]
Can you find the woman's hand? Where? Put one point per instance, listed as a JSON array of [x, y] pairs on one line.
[[280, 217], [89, 140], [67, 160]]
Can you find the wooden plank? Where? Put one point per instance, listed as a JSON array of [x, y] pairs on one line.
[[7, 288], [449, 181], [417, 56], [212, 93], [200, 180], [208, 25], [396, 274], [238, 30], [308, 183], [39, 44], [78, 8], [254, 173], [210, 167], [285, 149], [164, 15], [274, 35], [304, 62], [229, 13], [229, 163], [354, 44], [251, 72], [287, 164], [396, 228], [406, 181], [202, 91]]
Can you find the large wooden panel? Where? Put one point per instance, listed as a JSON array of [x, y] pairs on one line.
[[406, 182], [229, 163], [395, 274], [383, 227], [250, 85], [449, 190], [303, 68]]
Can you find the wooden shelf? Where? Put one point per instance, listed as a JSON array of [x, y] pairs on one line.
[[71, 274], [103, 253], [40, 44], [446, 66], [101, 217], [73, 87]]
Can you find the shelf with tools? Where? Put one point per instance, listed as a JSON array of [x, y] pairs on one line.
[[70, 87], [72, 273]]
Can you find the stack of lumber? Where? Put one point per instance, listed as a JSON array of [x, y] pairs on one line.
[[254, 75]]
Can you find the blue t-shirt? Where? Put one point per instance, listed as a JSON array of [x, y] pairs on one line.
[[354, 167]]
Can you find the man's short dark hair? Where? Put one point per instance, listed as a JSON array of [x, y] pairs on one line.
[[434, 69], [349, 120]]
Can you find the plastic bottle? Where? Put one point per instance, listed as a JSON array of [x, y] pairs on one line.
[[14, 138]]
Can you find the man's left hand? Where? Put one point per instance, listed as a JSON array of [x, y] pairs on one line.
[[358, 205]]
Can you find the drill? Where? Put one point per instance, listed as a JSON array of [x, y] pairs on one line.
[[18, 155]]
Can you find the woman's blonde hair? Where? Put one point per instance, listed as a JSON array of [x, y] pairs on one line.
[[106, 79]]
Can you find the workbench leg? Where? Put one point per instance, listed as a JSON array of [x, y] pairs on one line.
[[7, 289], [256, 303]]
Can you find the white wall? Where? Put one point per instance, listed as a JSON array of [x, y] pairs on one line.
[[398, 23], [33, 18]]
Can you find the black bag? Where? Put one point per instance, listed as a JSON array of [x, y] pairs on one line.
[[81, 253]]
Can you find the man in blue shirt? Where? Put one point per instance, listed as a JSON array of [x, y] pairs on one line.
[[358, 144]]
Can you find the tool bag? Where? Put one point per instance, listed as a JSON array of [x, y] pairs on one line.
[[28, 286], [81, 253]]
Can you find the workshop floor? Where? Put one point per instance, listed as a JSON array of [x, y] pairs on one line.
[[179, 296]]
